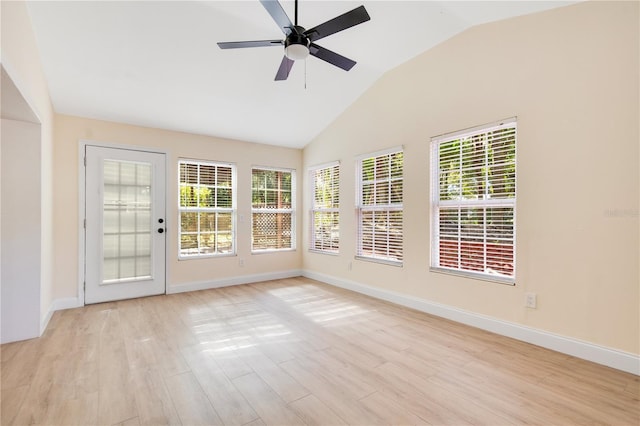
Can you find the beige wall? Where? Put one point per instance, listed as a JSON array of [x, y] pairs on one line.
[[70, 130], [21, 60], [570, 75]]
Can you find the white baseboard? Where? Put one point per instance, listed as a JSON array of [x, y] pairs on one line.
[[75, 302], [226, 282], [44, 322], [599, 354], [58, 305], [602, 355]]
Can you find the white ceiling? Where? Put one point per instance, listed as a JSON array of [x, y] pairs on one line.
[[157, 64]]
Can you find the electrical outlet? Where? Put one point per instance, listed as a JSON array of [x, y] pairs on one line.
[[350, 266], [531, 300], [241, 263]]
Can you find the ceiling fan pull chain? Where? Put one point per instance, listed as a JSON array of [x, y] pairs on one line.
[[305, 74]]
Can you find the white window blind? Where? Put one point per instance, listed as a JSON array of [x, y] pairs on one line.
[[272, 209], [474, 201], [325, 208], [379, 207], [207, 208]]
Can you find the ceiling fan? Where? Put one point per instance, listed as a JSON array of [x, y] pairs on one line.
[[300, 42]]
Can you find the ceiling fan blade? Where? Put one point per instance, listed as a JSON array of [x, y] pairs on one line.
[[278, 14], [285, 69], [255, 43], [339, 23], [332, 57]]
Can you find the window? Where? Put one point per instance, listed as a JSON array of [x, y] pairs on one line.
[[207, 209], [379, 206], [325, 214], [272, 209], [474, 200]]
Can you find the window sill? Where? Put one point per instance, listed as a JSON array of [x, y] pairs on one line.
[[475, 275], [205, 256], [395, 263], [269, 251], [330, 253]]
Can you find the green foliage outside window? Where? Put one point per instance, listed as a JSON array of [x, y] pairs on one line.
[[380, 212], [206, 208], [272, 205], [270, 189], [478, 167], [382, 179]]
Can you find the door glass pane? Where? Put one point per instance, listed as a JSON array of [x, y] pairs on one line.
[[126, 239]]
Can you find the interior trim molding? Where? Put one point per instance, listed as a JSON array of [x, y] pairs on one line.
[[59, 305], [44, 321], [589, 351], [226, 282], [77, 302]]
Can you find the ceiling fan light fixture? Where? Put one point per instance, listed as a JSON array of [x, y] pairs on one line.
[[296, 46], [296, 51]]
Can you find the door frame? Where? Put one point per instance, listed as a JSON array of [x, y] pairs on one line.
[[168, 214]]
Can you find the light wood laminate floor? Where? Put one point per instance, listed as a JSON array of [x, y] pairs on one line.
[[294, 351]]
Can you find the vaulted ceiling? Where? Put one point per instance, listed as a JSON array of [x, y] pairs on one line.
[[157, 64]]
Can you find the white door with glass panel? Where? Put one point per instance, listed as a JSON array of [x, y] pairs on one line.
[[125, 224]]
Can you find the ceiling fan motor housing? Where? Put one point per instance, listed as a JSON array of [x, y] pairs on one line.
[[296, 45]]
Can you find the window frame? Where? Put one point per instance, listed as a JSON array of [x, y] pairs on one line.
[[335, 210], [291, 211], [461, 203], [233, 210], [389, 208]]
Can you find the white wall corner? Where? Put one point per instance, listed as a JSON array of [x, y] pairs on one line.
[[591, 352], [226, 282]]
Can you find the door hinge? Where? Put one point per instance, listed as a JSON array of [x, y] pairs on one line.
[[85, 223], [85, 161]]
